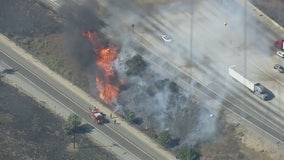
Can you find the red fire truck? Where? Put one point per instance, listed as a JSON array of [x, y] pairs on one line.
[[96, 115]]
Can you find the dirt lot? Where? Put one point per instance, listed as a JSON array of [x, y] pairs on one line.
[[28, 125]]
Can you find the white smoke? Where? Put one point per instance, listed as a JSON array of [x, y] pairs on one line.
[[217, 40]]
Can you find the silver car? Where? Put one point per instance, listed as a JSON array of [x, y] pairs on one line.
[[166, 38], [280, 54]]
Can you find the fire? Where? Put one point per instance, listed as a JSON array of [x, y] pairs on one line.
[[104, 58], [107, 91]]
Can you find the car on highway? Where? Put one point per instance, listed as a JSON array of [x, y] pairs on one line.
[[8, 71], [166, 38], [279, 68], [280, 54]]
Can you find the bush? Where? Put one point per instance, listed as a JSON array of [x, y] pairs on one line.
[[160, 84], [164, 139], [136, 65], [186, 153], [129, 116], [174, 87]]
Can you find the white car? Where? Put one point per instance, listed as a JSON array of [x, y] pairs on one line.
[[166, 38], [280, 54]]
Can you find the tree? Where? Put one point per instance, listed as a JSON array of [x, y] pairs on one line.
[[72, 123], [173, 87], [136, 65], [129, 116], [186, 153], [164, 139]]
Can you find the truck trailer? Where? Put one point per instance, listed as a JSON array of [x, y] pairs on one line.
[[279, 44], [256, 88]]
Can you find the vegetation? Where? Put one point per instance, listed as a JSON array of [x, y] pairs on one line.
[[186, 153], [131, 118], [164, 139], [29, 130], [136, 65], [173, 87], [161, 84], [72, 124]]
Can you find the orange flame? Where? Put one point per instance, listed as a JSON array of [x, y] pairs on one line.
[[104, 58], [107, 91]]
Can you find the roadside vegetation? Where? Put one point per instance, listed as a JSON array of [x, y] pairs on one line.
[[46, 41], [72, 124], [187, 153], [165, 139], [131, 118], [31, 131], [135, 65]]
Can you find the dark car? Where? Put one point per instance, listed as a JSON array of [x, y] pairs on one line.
[[9, 71], [279, 68]]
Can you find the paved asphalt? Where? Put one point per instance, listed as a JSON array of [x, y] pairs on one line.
[[75, 103], [265, 115], [70, 99], [185, 81]]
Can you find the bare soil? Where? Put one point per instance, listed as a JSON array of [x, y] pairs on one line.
[[40, 31], [31, 131], [229, 145]]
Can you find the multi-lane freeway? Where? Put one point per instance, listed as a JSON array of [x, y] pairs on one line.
[[199, 56], [203, 48]]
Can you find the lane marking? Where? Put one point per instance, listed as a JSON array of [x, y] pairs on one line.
[[225, 99], [77, 104]]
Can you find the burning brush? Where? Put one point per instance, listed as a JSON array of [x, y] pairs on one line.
[[104, 55]]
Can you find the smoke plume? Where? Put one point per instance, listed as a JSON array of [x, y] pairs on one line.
[[207, 37]]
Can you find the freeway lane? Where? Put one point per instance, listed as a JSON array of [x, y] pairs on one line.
[[132, 146], [213, 92], [235, 109], [185, 81], [264, 115]]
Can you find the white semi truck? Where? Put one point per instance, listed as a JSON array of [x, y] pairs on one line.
[[256, 88]]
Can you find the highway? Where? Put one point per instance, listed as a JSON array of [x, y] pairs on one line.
[[168, 58], [210, 64], [78, 105], [230, 102]]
